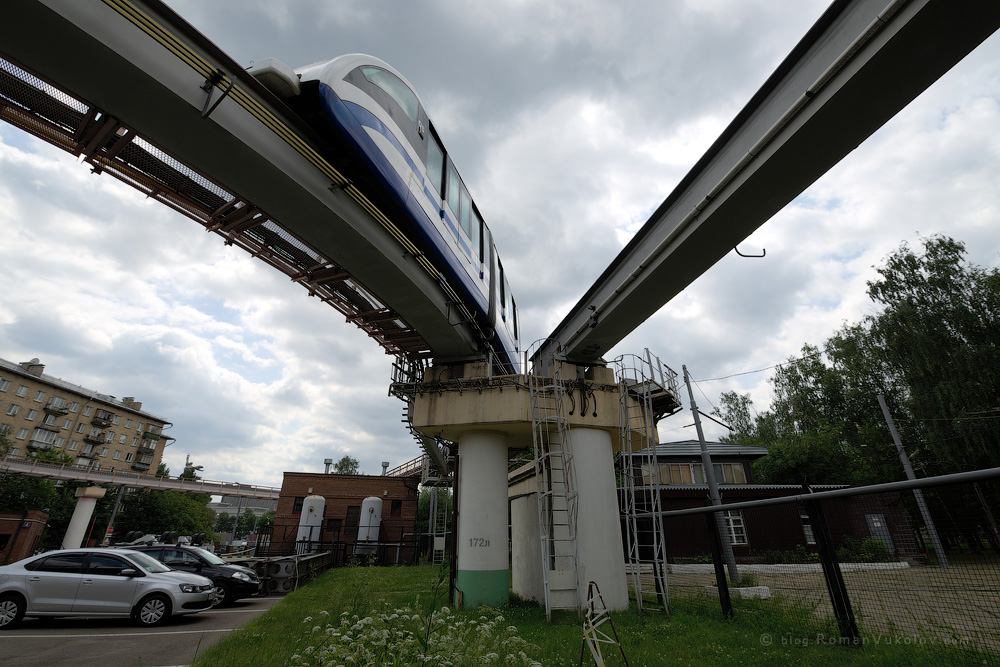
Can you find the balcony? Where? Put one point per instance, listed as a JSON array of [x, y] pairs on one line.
[[100, 421], [87, 454], [140, 465], [38, 446], [151, 435], [95, 439], [56, 408]]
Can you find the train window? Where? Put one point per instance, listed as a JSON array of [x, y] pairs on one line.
[[502, 283], [477, 236], [466, 211], [454, 186], [396, 89], [509, 298], [513, 312], [435, 164]]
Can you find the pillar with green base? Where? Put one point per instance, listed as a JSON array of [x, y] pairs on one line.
[[482, 575]]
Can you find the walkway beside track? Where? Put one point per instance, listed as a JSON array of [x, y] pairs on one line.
[[74, 473]]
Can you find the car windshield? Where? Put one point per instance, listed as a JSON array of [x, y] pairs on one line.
[[147, 562], [209, 556]]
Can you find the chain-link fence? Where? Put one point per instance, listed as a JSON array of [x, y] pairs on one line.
[[849, 566]]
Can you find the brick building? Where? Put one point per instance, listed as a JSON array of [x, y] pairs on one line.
[[344, 495], [753, 531], [39, 412]]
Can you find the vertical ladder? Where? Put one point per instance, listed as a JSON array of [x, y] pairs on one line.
[[647, 388], [555, 479], [438, 528]]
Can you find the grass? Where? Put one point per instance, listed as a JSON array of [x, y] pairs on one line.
[[764, 632]]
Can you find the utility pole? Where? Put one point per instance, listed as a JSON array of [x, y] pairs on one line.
[[713, 486], [917, 493]]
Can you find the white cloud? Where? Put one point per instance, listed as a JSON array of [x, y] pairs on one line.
[[570, 123]]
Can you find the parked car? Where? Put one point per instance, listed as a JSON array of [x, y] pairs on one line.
[[99, 582], [232, 582]]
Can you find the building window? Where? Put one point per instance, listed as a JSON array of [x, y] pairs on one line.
[[297, 506], [31, 415], [121, 440], [39, 396], [79, 428], [12, 452], [60, 442], [73, 445], [135, 441], [74, 406], [67, 423], [22, 391], [693, 473], [117, 456], [12, 410], [128, 423], [807, 528], [49, 420], [22, 434], [4, 384], [4, 540], [116, 420], [128, 457], [87, 411], [734, 524], [104, 451], [396, 508]]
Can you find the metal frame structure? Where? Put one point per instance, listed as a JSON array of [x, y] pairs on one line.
[[555, 478], [648, 391]]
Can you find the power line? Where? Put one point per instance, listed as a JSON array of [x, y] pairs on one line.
[[790, 361]]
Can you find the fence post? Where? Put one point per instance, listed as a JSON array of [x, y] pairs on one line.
[[720, 572], [831, 572]]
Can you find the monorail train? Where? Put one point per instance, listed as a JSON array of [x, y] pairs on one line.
[[370, 113]]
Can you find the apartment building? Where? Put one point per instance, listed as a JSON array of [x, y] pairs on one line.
[[39, 412]]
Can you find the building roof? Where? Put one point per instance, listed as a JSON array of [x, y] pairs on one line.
[[45, 378], [693, 448]]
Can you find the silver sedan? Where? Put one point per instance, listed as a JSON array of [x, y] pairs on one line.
[[99, 582]]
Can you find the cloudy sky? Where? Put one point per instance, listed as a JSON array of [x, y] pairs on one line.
[[570, 122]]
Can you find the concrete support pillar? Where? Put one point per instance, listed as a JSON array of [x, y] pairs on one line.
[[86, 501], [482, 573], [526, 551], [598, 527]]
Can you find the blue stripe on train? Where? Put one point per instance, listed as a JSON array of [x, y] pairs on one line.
[[353, 119]]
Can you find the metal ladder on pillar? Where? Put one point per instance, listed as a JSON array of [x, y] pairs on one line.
[[555, 479], [439, 519], [647, 391]]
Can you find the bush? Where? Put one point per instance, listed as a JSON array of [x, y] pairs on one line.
[[868, 550]]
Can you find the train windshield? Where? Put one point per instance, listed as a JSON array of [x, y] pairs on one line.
[[395, 88]]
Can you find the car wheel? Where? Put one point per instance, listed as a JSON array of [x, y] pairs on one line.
[[223, 596], [12, 609], [151, 611]]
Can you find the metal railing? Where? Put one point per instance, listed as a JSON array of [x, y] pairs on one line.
[[35, 468], [853, 566]]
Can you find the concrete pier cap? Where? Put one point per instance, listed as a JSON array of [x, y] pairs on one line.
[[489, 415]]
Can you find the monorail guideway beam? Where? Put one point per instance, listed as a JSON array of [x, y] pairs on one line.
[[140, 65], [861, 63]]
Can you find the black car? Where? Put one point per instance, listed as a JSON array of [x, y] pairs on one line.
[[232, 582]]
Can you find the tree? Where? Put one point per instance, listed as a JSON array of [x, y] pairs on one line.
[[424, 506], [154, 511], [940, 333], [933, 351], [225, 522], [348, 465]]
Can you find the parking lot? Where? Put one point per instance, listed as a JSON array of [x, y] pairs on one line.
[[70, 642]]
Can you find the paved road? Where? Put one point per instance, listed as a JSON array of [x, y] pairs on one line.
[[71, 642]]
